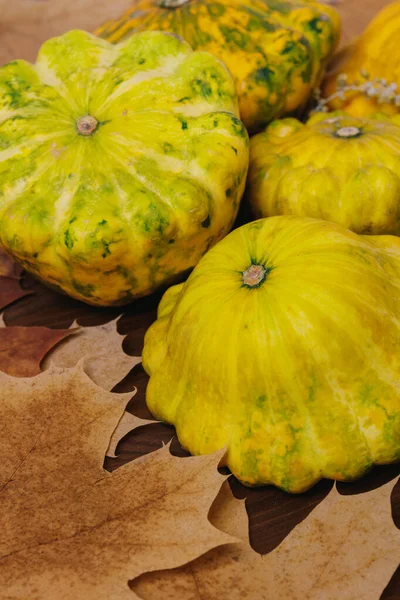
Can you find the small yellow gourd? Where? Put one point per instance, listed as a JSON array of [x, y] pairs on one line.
[[334, 167]]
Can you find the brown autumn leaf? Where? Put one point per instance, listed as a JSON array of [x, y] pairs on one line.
[[70, 529], [22, 348], [346, 548], [104, 361], [10, 291], [101, 348], [8, 267], [127, 423]]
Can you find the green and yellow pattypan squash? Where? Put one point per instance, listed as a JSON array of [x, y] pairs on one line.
[[283, 347], [333, 167], [120, 166], [276, 50]]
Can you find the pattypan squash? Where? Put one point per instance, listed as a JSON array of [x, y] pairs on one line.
[[334, 167], [276, 49], [120, 165], [283, 347]]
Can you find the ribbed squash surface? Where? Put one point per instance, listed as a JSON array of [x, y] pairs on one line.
[[333, 167], [283, 347], [119, 165], [275, 49]]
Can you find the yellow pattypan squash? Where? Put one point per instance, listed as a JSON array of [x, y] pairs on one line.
[[120, 166], [334, 167], [375, 55], [275, 49], [283, 347]]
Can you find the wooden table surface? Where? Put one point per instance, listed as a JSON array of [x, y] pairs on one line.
[[272, 513]]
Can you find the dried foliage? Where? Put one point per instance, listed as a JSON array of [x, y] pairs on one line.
[[347, 548], [69, 528]]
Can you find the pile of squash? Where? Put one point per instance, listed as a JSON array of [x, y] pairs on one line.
[[124, 157]]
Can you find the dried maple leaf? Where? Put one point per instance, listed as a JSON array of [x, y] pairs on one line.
[[104, 361], [346, 548], [70, 529], [101, 348], [10, 290], [127, 423], [26, 24], [22, 348], [9, 268]]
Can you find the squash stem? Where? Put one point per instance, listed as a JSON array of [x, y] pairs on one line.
[[86, 125], [348, 132], [254, 275], [171, 3]]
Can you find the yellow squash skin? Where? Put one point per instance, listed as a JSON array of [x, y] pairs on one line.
[[377, 52], [334, 167], [110, 207], [275, 49], [297, 376]]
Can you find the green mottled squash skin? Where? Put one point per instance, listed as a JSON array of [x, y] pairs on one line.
[[276, 50], [120, 166]]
